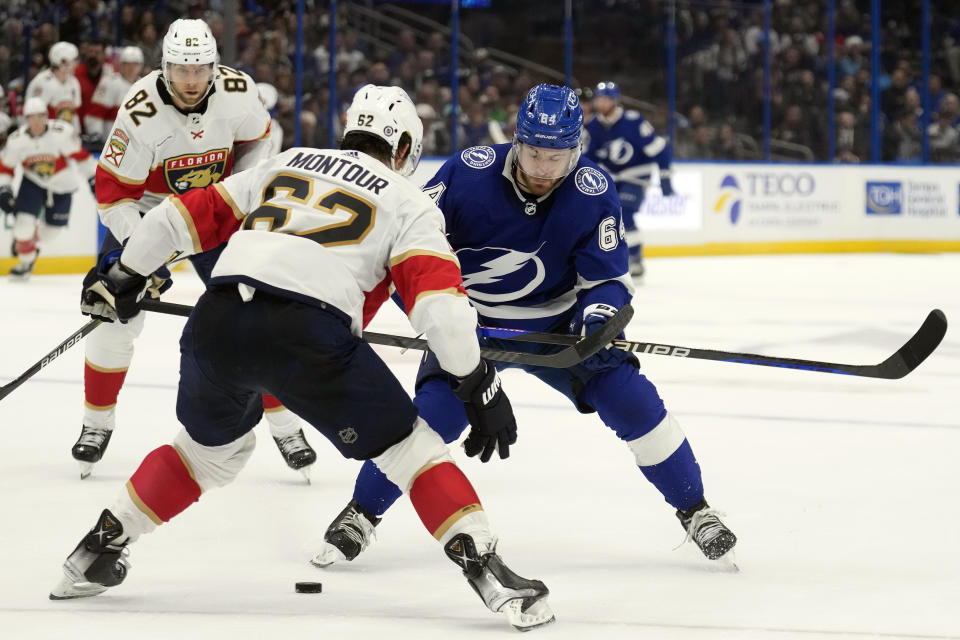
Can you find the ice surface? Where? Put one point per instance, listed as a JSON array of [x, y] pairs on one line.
[[842, 490]]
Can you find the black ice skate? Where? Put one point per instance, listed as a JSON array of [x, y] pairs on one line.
[[22, 270], [98, 563], [705, 528], [90, 447], [522, 601], [297, 452], [350, 533]]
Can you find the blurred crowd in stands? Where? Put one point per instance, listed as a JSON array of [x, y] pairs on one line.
[[720, 71]]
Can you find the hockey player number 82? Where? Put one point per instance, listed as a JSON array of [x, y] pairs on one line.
[[272, 217]]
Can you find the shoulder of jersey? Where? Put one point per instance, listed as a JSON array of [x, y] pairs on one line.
[[147, 83], [632, 114], [484, 156], [590, 180], [61, 127], [226, 83]]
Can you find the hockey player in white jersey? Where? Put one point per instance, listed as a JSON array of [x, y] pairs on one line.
[[110, 92], [185, 126], [45, 150], [316, 237], [269, 97], [57, 86]]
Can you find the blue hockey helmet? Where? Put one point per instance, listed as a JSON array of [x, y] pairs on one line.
[[607, 89], [550, 116], [547, 142]]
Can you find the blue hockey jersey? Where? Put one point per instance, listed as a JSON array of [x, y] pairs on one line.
[[627, 147], [528, 262]]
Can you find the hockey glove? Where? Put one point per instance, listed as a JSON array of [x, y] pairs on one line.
[[7, 202], [111, 291], [93, 185], [159, 281], [666, 187], [492, 425], [594, 317]]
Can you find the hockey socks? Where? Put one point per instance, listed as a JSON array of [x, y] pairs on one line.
[[373, 491], [101, 386], [163, 486], [447, 504]]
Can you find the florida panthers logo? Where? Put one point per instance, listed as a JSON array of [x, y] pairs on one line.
[[195, 170], [44, 165], [496, 274]]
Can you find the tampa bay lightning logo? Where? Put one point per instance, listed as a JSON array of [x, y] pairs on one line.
[[478, 157], [619, 151], [590, 181], [497, 274]]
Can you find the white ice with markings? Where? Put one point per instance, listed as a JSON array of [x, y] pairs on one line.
[[842, 490]]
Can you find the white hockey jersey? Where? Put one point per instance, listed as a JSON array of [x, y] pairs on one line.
[[45, 158], [276, 138], [154, 149], [329, 226], [105, 103], [62, 98]]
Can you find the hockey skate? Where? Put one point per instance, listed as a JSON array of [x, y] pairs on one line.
[[704, 527], [350, 533], [297, 453], [90, 447], [98, 563], [522, 601], [22, 270]]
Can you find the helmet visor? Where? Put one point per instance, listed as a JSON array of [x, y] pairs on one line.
[[193, 73], [545, 163]]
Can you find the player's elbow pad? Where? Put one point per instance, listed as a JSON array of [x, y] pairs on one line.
[[450, 324]]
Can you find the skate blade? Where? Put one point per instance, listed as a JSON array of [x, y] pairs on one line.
[[86, 468], [537, 614], [67, 589], [327, 556], [727, 563], [305, 472]]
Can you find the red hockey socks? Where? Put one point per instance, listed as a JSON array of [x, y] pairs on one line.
[[163, 485]]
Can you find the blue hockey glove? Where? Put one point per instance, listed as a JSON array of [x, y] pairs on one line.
[[593, 318], [111, 291], [7, 202], [666, 187], [492, 425], [159, 281]]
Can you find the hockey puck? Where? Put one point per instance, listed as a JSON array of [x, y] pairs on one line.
[[308, 587]]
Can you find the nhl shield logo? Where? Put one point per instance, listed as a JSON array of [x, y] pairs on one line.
[[348, 435], [195, 170], [590, 181], [478, 157]]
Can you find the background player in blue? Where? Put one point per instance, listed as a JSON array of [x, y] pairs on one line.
[[538, 234], [626, 145]]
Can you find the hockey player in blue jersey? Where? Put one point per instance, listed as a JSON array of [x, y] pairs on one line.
[[537, 230], [627, 146]]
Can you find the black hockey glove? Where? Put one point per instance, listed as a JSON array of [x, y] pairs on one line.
[[492, 425], [7, 202], [111, 291], [93, 185]]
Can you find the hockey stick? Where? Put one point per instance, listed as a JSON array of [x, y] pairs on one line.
[[903, 361], [57, 351], [576, 352]]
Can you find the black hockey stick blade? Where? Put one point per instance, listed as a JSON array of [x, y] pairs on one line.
[[903, 361], [578, 351], [57, 351]]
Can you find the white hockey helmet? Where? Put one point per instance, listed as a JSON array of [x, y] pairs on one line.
[[33, 106], [131, 54], [268, 95], [62, 52], [189, 42], [388, 112]]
